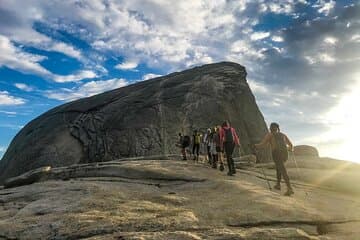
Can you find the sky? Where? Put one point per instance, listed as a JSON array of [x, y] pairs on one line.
[[302, 57]]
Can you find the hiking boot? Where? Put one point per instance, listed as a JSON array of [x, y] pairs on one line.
[[184, 159], [230, 174], [289, 192], [222, 168], [277, 186]]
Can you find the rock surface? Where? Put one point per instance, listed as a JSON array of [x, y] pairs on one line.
[[305, 150], [142, 119], [168, 199]]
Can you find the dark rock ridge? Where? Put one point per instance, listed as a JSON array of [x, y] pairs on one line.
[[141, 119]]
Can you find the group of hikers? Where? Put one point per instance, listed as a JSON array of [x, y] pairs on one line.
[[219, 142]]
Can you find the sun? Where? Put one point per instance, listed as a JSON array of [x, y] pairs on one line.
[[344, 120]]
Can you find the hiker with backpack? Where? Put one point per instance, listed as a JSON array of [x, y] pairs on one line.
[[196, 145], [184, 142], [280, 144], [228, 141]]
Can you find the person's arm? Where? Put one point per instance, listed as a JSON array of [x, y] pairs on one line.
[[265, 141], [236, 138], [289, 143]]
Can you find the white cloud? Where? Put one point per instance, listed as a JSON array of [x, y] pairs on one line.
[[11, 126], [324, 6], [65, 49], [6, 99], [330, 40], [278, 7], [150, 76], [84, 74], [85, 90], [259, 35], [10, 113], [277, 39], [355, 38], [2, 149], [24, 87], [324, 57], [320, 58], [15, 58], [257, 87], [127, 65], [245, 49]]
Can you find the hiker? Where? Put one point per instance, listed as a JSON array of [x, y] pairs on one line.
[[196, 145], [280, 144], [219, 151], [184, 142], [228, 140], [214, 139], [207, 143]]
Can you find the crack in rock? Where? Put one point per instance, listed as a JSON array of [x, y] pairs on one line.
[[320, 225]]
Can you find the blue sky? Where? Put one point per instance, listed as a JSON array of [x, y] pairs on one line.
[[302, 57]]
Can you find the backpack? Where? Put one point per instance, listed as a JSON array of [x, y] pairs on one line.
[[228, 135], [280, 147], [197, 139], [186, 141]]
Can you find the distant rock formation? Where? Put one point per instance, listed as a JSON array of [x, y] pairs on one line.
[[141, 119], [305, 150]]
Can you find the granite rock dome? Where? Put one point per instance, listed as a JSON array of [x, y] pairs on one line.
[[141, 119]]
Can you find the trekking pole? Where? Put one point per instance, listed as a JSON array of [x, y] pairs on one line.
[[297, 168], [262, 169]]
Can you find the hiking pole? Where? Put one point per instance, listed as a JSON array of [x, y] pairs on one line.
[[253, 149], [262, 169], [297, 168]]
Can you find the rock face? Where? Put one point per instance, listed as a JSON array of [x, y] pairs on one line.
[[183, 200], [305, 150], [142, 119]]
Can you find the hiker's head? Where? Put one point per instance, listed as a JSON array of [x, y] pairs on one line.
[[209, 130], [195, 131], [274, 127], [214, 130], [226, 124], [180, 134]]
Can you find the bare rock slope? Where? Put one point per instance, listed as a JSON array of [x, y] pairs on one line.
[[169, 199], [138, 120]]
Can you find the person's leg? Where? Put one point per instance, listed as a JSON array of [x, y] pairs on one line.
[[231, 158], [228, 158], [284, 174], [278, 173], [197, 151], [219, 158], [183, 153], [209, 154], [214, 161]]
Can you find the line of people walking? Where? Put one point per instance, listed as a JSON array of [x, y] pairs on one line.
[[219, 142]]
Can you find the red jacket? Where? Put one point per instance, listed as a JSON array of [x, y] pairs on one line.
[[222, 136]]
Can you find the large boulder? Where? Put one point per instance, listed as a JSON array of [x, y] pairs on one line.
[[141, 119], [305, 150]]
